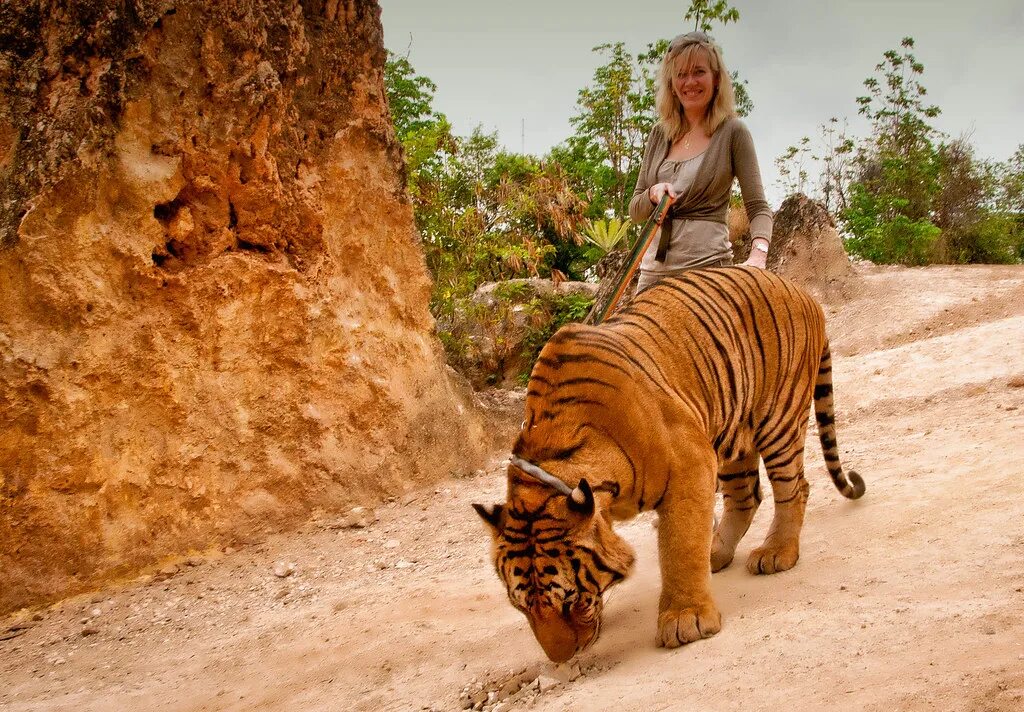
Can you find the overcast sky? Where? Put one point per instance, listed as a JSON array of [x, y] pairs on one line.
[[503, 64]]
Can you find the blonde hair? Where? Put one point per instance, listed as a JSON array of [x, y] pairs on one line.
[[723, 103]]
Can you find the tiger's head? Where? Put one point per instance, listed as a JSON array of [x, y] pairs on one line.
[[557, 554]]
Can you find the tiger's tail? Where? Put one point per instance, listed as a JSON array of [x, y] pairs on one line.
[[851, 484]]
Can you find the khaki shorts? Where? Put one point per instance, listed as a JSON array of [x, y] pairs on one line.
[[649, 278]]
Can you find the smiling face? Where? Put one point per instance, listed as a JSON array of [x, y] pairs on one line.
[[693, 81]]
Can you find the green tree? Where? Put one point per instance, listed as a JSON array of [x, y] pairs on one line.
[[896, 171], [614, 119], [486, 215], [1011, 184], [410, 97], [483, 214], [705, 12], [977, 224], [901, 159], [586, 170]]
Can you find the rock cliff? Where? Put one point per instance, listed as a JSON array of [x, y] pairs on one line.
[[213, 304]]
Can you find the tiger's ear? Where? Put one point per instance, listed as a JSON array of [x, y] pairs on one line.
[[492, 516], [581, 500]]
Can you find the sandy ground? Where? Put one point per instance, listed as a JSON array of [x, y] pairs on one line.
[[911, 598]]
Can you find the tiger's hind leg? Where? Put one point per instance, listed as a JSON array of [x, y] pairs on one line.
[[784, 462], [740, 486]]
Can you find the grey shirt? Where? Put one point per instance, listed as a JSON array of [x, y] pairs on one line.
[[694, 242]]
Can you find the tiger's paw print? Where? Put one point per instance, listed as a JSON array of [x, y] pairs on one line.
[[773, 559], [682, 626]]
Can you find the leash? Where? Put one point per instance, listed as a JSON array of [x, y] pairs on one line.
[[605, 305]]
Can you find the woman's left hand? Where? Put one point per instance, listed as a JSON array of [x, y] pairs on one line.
[[757, 258]]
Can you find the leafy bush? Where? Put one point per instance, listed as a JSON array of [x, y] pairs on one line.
[[498, 339], [874, 236], [995, 238], [606, 234], [548, 314]]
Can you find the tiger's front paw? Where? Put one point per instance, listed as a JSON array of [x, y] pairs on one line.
[[773, 559], [681, 626]]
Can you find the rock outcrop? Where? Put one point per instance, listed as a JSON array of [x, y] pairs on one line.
[[807, 248], [213, 305]]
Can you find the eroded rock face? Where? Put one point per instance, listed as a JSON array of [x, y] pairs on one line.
[[213, 305], [807, 248]]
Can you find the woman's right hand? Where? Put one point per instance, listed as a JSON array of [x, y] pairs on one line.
[[658, 190]]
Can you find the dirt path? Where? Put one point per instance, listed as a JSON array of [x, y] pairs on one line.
[[911, 598]]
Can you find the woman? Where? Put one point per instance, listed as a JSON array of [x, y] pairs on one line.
[[693, 153]]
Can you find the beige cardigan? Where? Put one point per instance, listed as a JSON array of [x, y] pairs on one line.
[[729, 155]]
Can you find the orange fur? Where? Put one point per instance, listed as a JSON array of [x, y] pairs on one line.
[[678, 394]]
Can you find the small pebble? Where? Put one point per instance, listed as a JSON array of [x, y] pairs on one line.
[[355, 518], [545, 683], [284, 569]]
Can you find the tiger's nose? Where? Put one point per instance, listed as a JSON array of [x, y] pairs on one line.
[[555, 635]]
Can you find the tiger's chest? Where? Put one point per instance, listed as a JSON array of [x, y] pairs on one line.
[[624, 509]]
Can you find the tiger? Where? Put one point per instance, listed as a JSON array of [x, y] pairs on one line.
[[673, 399]]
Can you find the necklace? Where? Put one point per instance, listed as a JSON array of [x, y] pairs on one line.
[[685, 140]]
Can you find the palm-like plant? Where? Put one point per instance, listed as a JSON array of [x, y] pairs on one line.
[[606, 233]]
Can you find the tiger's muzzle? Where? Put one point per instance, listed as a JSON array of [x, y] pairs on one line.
[[560, 637]]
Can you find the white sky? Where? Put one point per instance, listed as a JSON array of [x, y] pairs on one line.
[[500, 64]]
